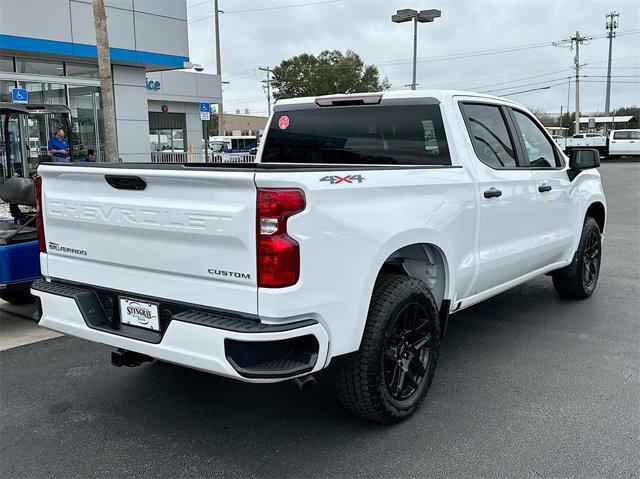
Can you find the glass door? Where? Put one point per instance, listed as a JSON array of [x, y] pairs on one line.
[[86, 114], [14, 143]]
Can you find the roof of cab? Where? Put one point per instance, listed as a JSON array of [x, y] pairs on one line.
[[439, 95]]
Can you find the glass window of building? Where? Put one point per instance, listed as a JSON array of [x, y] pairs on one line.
[[51, 93], [167, 132], [6, 64], [39, 67], [82, 70], [5, 89], [85, 103], [166, 140], [177, 136]]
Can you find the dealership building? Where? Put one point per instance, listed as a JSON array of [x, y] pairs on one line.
[[48, 48]]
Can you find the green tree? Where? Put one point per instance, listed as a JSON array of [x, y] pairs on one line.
[[328, 73], [545, 118]]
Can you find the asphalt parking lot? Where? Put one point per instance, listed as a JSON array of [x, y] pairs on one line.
[[527, 385]]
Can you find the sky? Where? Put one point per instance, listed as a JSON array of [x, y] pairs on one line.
[[457, 51]]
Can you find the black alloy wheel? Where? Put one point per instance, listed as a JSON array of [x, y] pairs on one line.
[[407, 351]]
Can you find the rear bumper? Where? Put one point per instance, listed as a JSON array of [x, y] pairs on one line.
[[228, 346]]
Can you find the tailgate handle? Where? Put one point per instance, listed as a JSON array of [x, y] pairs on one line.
[[126, 182]]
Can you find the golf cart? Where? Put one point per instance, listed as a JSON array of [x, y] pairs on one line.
[[25, 129]]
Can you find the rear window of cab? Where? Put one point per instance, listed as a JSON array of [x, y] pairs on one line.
[[367, 135]]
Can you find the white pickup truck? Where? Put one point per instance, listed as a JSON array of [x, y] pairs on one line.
[[367, 221], [586, 140], [617, 144]]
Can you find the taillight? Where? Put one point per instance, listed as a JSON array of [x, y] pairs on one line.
[[278, 253], [39, 224]]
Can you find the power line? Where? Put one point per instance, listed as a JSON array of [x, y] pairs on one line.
[[283, 6], [533, 89], [492, 51], [279, 7], [520, 79], [526, 84], [198, 4]]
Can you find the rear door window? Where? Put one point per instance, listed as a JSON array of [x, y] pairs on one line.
[[367, 135], [622, 135], [490, 136]]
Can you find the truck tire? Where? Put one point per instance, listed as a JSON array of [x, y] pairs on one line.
[[16, 297], [387, 379], [579, 279]]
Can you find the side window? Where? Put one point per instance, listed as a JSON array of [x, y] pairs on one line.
[[621, 135], [538, 147], [635, 135], [490, 135]]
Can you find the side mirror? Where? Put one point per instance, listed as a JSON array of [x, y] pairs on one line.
[[584, 159]]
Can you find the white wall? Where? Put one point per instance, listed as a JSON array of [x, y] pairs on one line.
[[156, 26], [132, 118], [185, 86], [182, 92]]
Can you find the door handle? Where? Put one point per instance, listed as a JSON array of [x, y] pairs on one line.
[[544, 187], [126, 182], [492, 193]]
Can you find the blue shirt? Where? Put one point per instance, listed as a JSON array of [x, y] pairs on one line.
[[61, 144]]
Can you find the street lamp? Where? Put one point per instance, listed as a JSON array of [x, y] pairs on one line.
[[423, 16]]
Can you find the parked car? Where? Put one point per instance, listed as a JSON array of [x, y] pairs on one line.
[[624, 143], [368, 220]]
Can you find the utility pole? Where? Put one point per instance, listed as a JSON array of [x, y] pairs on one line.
[[577, 39], [415, 51], [219, 68], [568, 110], [611, 25], [267, 83], [106, 81], [561, 119], [570, 42]]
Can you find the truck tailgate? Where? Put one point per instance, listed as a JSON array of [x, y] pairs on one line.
[[189, 235]]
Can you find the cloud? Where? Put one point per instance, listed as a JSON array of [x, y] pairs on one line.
[[265, 38]]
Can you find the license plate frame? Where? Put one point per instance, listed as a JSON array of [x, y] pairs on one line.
[[139, 313]]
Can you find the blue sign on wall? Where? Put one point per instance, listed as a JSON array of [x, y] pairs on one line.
[[19, 95], [153, 85], [205, 108]]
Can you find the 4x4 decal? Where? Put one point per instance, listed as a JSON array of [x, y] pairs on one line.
[[334, 180]]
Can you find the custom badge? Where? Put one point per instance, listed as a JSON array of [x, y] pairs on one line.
[[283, 122]]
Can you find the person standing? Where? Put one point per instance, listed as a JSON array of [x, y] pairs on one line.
[[59, 147]]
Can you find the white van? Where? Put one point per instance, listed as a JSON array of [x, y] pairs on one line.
[[624, 143]]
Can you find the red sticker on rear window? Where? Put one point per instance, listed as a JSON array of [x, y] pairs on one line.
[[283, 122]]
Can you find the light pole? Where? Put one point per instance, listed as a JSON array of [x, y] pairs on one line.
[[423, 16]]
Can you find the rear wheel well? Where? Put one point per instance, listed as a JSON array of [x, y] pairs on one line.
[[423, 261], [596, 211]]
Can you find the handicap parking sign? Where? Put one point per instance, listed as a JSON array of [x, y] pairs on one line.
[[19, 95], [205, 111]]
